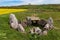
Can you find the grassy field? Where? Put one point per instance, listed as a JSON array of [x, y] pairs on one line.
[[6, 33]]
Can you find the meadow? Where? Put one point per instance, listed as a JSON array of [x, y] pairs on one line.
[[6, 33]]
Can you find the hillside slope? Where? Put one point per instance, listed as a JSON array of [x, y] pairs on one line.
[[6, 33]]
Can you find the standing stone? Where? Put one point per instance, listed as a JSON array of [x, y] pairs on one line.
[[13, 21], [50, 22], [29, 21]]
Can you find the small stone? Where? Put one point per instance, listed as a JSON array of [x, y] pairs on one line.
[[35, 30], [20, 28], [44, 32]]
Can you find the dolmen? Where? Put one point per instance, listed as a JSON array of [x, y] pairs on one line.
[[46, 26], [15, 24]]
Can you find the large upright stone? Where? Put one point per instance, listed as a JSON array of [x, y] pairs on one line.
[[50, 22], [13, 21], [28, 21]]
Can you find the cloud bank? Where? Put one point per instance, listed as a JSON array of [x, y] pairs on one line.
[[25, 2]]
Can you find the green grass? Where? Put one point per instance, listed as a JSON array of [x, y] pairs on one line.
[[6, 33]]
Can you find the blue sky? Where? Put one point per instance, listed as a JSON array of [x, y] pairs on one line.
[[25, 2]]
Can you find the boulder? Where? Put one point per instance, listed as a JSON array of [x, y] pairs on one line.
[[20, 28], [24, 23], [13, 21], [47, 26], [45, 32], [32, 20], [36, 30], [42, 22], [50, 22]]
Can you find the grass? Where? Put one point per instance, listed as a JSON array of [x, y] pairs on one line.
[[6, 33]]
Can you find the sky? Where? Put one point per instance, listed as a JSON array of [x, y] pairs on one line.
[[25, 2]]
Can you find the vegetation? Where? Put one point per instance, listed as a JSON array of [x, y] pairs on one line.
[[5, 11], [6, 33]]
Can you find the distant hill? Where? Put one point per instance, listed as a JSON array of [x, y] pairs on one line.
[[38, 8], [33, 6]]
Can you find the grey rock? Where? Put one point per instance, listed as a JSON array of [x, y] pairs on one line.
[[50, 22], [21, 28], [45, 32], [13, 21], [35, 30]]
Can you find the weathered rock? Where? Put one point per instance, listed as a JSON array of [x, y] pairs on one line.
[[47, 26], [45, 32], [32, 20], [20, 28], [36, 30], [50, 22], [24, 23], [42, 22], [28, 21], [13, 21], [32, 30]]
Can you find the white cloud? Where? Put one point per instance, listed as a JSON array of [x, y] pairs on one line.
[[56, 1], [42, 1], [33, 1], [21, 2]]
